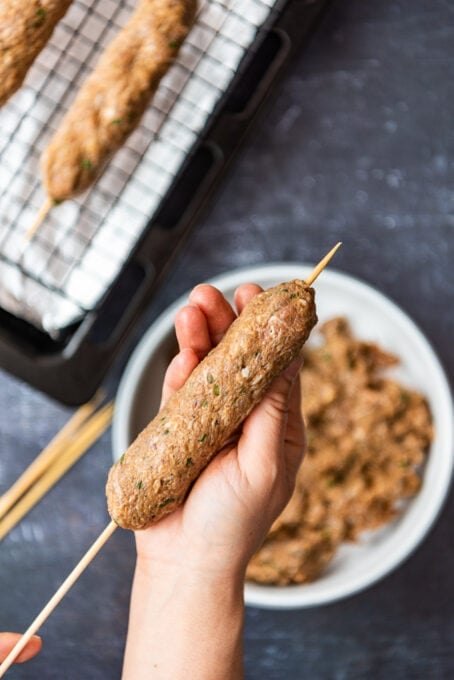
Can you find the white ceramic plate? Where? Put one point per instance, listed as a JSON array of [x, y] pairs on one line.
[[373, 317]]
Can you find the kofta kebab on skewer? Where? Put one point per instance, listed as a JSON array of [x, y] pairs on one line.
[[233, 378], [25, 28], [113, 99]]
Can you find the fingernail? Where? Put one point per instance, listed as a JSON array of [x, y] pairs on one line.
[[197, 288]]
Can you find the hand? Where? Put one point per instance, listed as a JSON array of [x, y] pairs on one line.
[[8, 640], [233, 503], [187, 610]]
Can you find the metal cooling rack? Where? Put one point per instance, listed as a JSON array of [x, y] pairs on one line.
[[66, 301], [83, 244]]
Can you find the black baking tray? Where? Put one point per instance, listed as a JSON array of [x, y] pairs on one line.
[[71, 367]]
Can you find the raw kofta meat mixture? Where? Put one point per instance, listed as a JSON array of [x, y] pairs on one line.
[[154, 476], [367, 438]]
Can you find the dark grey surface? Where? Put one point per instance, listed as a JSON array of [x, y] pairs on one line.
[[358, 146]]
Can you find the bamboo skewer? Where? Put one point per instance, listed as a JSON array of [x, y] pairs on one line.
[[47, 457], [39, 219], [58, 596], [87, 435], [322, 264], [101, 540]]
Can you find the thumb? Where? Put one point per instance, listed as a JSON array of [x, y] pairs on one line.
[[263, 440], [8, 640]]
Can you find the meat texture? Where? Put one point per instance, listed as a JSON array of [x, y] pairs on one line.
[[25, 28], [367, 441], [153, 477], [114, 97]]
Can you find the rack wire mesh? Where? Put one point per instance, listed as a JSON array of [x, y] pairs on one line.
[[79, 250]]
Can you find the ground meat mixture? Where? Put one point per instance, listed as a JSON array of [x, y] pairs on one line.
[[367, 438], [155, 474]]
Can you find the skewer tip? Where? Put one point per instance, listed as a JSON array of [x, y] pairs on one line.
[[40, 217], [322, 264]]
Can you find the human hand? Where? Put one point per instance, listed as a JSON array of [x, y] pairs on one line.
[[237, 497], [8, 640]]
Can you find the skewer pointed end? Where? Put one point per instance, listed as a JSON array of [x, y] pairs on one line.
[[322, 264], [40, 217]]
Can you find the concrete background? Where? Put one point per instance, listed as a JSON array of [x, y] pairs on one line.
[[358, 146]]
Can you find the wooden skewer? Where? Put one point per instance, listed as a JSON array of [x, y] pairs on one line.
[[47, 457], [100, 541], [40, 217], [58, 596], [86, 436], [322, 264]]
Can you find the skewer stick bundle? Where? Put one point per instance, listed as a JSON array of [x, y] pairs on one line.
[[101, 540], [65, 459], [48, 456]]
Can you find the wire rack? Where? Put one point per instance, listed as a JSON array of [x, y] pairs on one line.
[[66, 269]]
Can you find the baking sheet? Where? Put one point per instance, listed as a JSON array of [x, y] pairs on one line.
[[64, 271]]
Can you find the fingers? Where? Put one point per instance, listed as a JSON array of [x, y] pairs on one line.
[[178, 371], [8, 640], [244, 294], [218, 312], [199, 326], [191, 328], [202, 324], [273, 433]]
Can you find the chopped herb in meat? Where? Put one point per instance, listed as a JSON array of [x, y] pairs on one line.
[[165, 502], [169, 465], [367, 439], [41, 15]]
